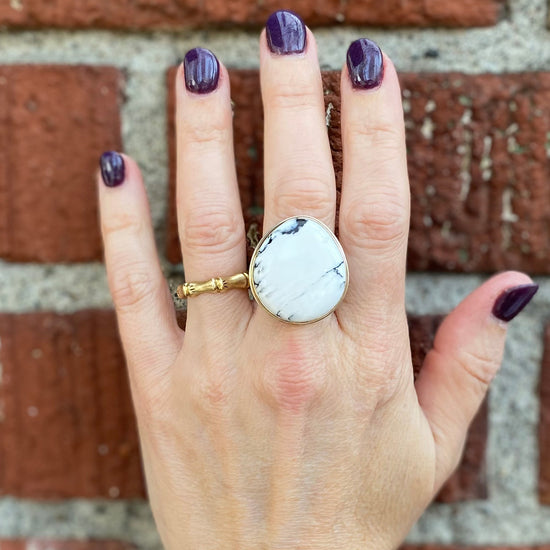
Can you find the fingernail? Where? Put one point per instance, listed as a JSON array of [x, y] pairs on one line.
[[202, 71], [112, 168], [512, 301], [285, 32], [365, 64]]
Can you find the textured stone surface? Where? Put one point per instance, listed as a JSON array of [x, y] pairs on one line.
[[38, 544], [67, 427], [478, 149], [544, 423], [479, 170], [299, 272], [55, 121], [174, 14], [469, 482]]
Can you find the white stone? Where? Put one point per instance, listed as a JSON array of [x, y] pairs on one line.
[[299, 272]]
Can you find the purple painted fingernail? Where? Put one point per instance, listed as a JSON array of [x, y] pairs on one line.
[[512, 301], [365, 64], [202, 71], [112, 167], [286, 33]]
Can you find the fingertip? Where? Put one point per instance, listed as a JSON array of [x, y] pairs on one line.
[[359, 81], [486, 296], [309, 48], [200, 74], [514, 291]]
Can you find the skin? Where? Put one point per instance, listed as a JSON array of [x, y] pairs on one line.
[[257, 434]]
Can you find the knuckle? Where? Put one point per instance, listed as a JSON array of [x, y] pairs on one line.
[[218, 229], [124, 224], [299, 92], [133, 286], [481, 367], [294, 378], [380, 222], [208, 135], [380, 136], [206, 128], [306, 195]]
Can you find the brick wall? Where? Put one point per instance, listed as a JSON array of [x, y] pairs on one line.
[[77, 78]]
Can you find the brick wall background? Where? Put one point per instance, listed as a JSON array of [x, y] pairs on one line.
[[80, 77]]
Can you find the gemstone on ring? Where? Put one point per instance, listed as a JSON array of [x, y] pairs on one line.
[[298, 271]]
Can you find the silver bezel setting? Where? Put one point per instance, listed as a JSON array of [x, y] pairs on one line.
[[253, 261]]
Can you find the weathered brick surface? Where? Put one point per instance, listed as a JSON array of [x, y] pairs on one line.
[[55, 121], [544, 423], [39, 544], [478, 163], [479, 169], [67, 426], [174, 14], [469, 482]]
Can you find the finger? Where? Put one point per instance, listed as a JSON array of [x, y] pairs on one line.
[[374, 212], [144, 307], [466, 356], [299, 177], [210, 221]]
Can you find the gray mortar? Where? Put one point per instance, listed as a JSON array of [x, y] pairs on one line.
[[511, 515]]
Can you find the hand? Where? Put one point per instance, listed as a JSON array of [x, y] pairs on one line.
[[259, 434]]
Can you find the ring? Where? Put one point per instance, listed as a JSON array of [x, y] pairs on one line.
[[298, 272]]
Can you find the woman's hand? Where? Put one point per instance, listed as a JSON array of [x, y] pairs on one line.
[[259, 434]]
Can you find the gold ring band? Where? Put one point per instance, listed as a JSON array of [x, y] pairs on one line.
[[298, 272], [214, 285]]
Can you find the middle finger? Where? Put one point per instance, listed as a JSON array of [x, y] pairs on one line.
[[299, 177]]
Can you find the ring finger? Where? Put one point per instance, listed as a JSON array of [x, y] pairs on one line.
[[210, 221]]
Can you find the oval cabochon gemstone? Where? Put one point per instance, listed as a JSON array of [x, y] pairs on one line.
[[298, 271]]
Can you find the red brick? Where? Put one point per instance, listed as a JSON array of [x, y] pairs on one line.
[[36, 544], [478, 149], [544, 423], [175, 14], [55, 121], [67, 426], [469, 482], [482, 210]]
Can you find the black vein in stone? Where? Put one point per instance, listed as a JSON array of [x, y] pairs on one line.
[[298, 224]]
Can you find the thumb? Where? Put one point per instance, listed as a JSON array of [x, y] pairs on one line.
[[466, 355]]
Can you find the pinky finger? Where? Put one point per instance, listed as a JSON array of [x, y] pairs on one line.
[[145, 312]]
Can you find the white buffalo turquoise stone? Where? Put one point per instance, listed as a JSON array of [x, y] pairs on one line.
[[299, 272]]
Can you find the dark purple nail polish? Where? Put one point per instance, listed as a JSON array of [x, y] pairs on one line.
[[202, 71], [365, 64], [286, 33], [512, 301], [112, 168]]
